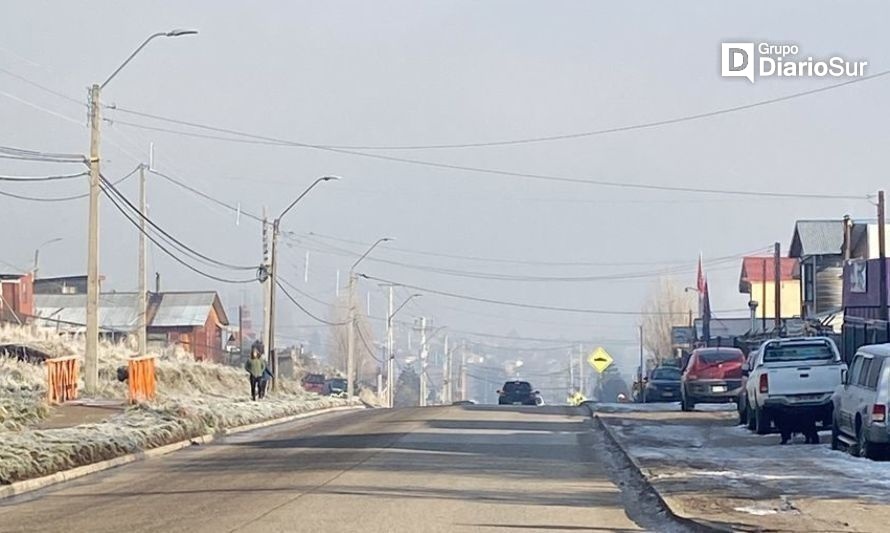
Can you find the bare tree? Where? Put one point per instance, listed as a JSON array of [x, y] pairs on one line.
[[338, 343], [668, 305]]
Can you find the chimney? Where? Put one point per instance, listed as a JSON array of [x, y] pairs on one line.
[[848, 238], [157, 282]]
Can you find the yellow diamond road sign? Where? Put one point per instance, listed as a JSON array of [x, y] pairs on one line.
[[600, 360]]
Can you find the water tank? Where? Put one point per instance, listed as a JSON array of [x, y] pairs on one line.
[[829, 285]]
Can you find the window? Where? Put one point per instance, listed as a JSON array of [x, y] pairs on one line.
[[517, 387], [797, 351], [863, 372], [874, 373], [666, 373], [853, 376], [715, 356], [808, 282]]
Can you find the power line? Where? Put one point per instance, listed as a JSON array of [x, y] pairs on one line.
[[51, 156], [367, 347], [306, 311], [60, 198], [35, 179], [450, 166], [599, 132], [172, 255], [173, 240], [204, 195], [42, 87], [519, 304]]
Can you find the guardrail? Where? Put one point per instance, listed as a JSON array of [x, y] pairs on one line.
[[61, 380], [141, 379]]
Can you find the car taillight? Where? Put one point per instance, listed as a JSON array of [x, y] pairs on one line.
[[878, 412], [764, 383], [691, 377]]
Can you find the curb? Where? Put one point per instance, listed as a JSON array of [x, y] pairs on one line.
[[698, 525], [31, 485]]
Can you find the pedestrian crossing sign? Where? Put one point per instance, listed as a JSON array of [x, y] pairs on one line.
[[600, 359]]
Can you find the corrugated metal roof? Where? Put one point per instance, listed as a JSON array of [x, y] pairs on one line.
[[752, 268], [183, 309], [817, 237], [67, 312]]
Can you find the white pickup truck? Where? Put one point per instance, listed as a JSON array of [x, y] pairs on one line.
[[795, 376]]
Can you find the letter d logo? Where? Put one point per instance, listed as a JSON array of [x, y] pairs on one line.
[[737, 60]]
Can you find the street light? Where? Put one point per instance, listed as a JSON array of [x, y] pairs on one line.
[[91, 357], [269, 329], [390, 350], [37, 254], [350, 338]]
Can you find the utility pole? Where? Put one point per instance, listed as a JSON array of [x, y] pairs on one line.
[[446, 374], [463, 371], [424, 385], [273, 289], [350, 339], [91, 355], [581, 376], [571, 370], [143, 304], [640, 381], [390, 353], [882, 254], [267, 309], [777, 263], [763, 296], [240, 332]]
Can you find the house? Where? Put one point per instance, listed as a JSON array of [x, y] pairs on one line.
[[863, 308], [822, 246], [757, 280], [16, 297], [194, 320]]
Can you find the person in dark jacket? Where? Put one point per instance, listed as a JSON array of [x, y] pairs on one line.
[[256, 367]]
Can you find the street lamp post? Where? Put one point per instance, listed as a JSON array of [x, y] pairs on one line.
[[350, 336], [390, 349], [273, 280], [37, 254], [91, 356]]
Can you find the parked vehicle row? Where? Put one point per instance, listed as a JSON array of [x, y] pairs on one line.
[[860, 404]]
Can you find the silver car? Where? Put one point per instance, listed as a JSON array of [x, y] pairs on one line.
[[860, 404]]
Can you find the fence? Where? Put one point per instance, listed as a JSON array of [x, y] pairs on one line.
[[141, 379], [61, 380], [859, 332]]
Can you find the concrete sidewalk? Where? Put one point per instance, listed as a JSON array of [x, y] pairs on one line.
[[80, 412], [708, 470]]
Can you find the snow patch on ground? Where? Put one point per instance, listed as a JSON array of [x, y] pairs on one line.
[[194, 398]]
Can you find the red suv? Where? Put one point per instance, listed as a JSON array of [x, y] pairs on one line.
[[712, 375]]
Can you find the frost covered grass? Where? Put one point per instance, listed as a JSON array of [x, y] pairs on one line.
[[194, 399]]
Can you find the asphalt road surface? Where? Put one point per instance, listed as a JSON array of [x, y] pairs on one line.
[[454, 469]]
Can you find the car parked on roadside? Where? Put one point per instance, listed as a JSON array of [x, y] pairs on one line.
[[335, 387], [313, 383], [517, 392], [712, 375], [792, 378], [662, 385], [860, 404]]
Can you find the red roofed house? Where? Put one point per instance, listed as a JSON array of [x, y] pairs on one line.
[[758, 276]]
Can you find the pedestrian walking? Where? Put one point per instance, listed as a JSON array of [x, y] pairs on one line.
[[256, 367], [264, 381]]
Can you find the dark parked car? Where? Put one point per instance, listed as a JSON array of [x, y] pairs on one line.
[[712, 375], [334, 387], [662, 385], [517, 393]]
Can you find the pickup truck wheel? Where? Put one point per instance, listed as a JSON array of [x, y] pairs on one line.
[[866, 449], [761, 422], [750, 417]]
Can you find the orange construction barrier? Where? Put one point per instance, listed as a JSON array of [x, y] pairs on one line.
[[141, 379], [61, 380]]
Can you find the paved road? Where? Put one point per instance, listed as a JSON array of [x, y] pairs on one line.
[[416, 470]]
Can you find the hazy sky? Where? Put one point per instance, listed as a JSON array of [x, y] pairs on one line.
[[417, 72]]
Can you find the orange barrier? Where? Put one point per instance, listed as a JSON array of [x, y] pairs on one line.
[[141, 379], [61, 380]]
